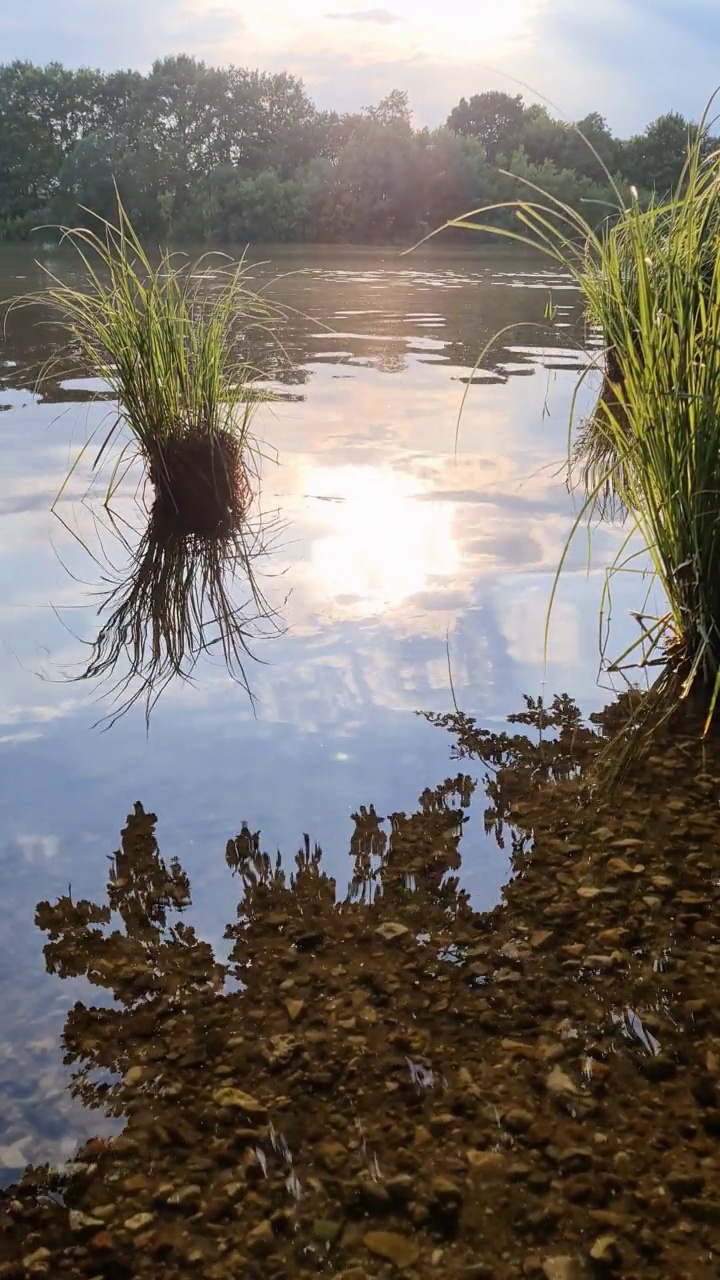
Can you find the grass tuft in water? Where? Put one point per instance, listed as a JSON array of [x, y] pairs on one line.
[[164, 336], [651, 282]]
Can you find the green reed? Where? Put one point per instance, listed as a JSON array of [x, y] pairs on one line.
[[650, 278], [163, 334]]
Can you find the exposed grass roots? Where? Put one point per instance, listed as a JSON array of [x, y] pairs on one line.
[[176, 600]]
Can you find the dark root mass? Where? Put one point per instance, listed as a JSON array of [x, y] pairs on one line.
[[201, 485]]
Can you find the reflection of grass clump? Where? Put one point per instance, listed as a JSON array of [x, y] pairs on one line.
[[176, 601], [651, 281], [164, 336]]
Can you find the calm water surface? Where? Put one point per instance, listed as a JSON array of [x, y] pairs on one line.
[[392, 553]]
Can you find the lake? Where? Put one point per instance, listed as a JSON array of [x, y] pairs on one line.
[[409, 575]]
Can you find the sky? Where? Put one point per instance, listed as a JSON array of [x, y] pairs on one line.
[[629, 59]]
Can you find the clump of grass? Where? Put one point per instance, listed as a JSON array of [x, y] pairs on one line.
[[664, 257], [164, 336], [651, 280]]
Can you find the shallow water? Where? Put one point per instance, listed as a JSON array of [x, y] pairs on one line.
[[381, 1079], [396, 564]]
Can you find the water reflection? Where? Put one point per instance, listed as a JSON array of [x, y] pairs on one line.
[[380, 545], [176, 596], [386, 1074], [368, 418], [366, 292]]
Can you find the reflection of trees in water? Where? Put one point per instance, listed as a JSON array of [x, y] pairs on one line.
[[136, 949], [519, 766], [467, 303], [412, 865], [393, 1061]]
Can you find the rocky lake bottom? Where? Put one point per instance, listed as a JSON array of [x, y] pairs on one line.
[[386, 1082]]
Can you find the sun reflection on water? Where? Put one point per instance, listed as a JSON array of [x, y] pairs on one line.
[[382, 542]]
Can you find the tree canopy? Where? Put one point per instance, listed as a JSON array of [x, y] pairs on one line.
[[235, 155]]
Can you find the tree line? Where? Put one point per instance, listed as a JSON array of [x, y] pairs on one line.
[[229, 155]]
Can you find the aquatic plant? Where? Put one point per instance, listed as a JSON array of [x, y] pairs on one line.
[[166, 336], [651, 281]]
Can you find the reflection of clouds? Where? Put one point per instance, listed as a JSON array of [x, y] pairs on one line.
[[422, 544], [37, 713], [380, 546], [385, 527], [440, 600], [515, 547], [524, 621], [37, 848]]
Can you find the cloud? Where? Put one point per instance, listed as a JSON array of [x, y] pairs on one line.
[[383, 17], [629, 59], [85, 32]]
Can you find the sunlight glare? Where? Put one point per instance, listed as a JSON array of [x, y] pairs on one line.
[[385, 543]]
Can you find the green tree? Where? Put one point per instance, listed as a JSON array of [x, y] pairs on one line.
[[590, 149], [494, 118], [104, 163], [543, 138], [231, 154], [30, 152], [379, 170], [655, 158], [392, 110], [453, 176]]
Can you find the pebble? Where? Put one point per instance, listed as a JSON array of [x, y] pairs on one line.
[[563, 1268], [518, 1120], [36, 1259], [619, 867], [237, 1100], [605, 1253], [326, 1230], [400, 1250], [261, 1240], [485, 1161], [559, 1083], [187, 1195], [79, 1221], [682, 1185], [331, 1155], [446, 1191], [391, 931], [138, 1221], [707, 1211]]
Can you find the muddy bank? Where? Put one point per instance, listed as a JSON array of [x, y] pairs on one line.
[[386, 1082]]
